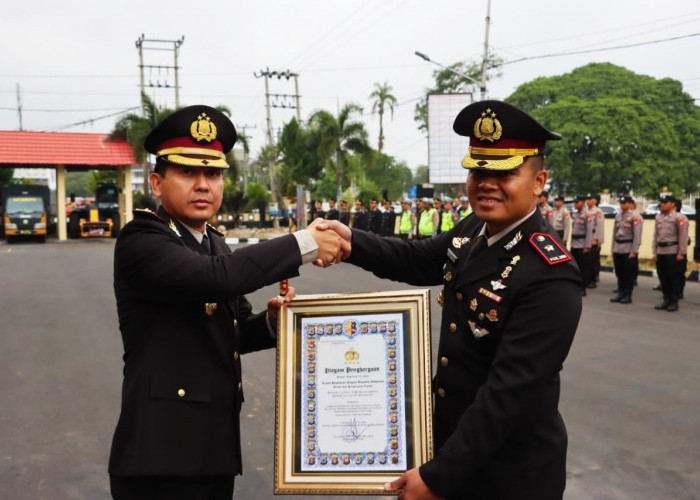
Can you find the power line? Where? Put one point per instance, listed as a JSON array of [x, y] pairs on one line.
[[91, 120], [577, 52]]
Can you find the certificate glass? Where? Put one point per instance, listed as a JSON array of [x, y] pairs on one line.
[[353, 391]]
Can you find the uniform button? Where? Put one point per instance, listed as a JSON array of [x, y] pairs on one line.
[[240, 386], [459, 296], [181, 393], [441, 392], [444, 361], [453, 327], [235, 323], [448, 276], [236, 355]]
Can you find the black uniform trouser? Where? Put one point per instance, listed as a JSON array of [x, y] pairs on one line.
[[595, 263], [583, 261], [671, 274], [625, 272], [171, 487]]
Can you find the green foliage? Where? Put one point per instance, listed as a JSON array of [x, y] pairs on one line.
[[6, 175], [298, 152], [421, 176], [383, 99], [388, 175], [450, 81], [621, 131], [144, 201], [78, 184], [97, 176], [256, 193]]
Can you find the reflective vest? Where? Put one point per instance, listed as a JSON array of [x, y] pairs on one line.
[[425, 226], [463, 213], [447, 222], [406, 223]]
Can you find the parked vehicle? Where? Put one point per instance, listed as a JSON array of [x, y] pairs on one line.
[[25, 211], [98, 219], [653, 209], [609, 210]]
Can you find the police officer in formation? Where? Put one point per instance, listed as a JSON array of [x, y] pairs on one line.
[[546, 211], [562, 220], [627, 236], [511, 303], [388, 219], [598, 222], [428, 222], [375, 217], [407, 221], [333, 213], [670, 248], [361, 217], [344, 213], [464, 208], [581, 237], [447, 216]]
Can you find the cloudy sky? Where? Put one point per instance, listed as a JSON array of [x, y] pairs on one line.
[[75, 63]]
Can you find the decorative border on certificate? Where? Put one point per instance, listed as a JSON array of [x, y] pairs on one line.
[[353, 391]]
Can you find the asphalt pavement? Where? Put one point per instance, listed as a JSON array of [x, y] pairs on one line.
[[630, 396]]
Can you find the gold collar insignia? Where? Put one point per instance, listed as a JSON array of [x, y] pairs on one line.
[[174, 228]]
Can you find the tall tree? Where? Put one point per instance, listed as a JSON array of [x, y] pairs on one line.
[[452, 80], [620, 130], [383, 99], [134, 128], [337, 138]]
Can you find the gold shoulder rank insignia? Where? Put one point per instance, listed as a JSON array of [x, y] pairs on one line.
[[174, 228], [549, 249], [146, 212]]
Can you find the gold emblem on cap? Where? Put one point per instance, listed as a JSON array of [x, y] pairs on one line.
[[488, 128], [203, 129]]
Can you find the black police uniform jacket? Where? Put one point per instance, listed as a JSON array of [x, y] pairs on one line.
[[508, 321], [182, 394]]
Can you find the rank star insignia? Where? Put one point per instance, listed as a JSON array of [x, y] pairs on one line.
[[174, 228], [497, 285]]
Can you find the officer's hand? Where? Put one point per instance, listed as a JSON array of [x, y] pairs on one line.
[[632, 255], [342, 230], [331, 247], [680, 257], [274, 304], [410, 487], [586, 250]]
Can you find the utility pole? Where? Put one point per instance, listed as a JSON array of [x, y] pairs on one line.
[[242, 133], [19, 107], [143, 43], [486, 51], [280, 101]]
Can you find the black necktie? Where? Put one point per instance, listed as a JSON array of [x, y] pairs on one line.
[[206, 244], [478, 245]]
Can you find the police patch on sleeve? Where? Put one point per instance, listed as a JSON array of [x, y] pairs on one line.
[[549, 249]]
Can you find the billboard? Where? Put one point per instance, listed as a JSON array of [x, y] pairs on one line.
[[445, 148]]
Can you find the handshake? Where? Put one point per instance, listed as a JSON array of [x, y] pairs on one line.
[[333, 239]]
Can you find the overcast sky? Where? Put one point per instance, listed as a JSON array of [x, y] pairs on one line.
[[76, 61]]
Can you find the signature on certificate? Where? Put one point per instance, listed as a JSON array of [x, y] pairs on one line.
[[353, 432]]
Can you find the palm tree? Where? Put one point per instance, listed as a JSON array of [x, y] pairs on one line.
[[383, 99], [337, 137], [134, 128]]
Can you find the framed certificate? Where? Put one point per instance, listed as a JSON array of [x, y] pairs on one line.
[[353, 391]]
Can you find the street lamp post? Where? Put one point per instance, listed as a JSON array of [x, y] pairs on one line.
[[482, 84]]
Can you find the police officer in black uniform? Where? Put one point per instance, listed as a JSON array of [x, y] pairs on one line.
[[185, 321], [511, 305]]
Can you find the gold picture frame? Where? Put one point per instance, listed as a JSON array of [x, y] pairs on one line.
[[353, 394]]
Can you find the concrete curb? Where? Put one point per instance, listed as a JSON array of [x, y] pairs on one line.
[[236, 241]]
